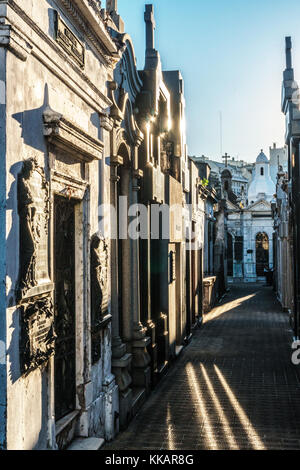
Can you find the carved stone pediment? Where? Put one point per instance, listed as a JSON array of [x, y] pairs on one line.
[[261, 205], [231, 206], [71, 138], [33, 205]]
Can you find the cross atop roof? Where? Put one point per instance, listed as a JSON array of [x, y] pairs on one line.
[[226, 158], [288, 52]]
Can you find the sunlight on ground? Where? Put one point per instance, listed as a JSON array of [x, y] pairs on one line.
[[202, 415], [211, 434], [171, 445], [244, 420], [222, 417], [218, 311]]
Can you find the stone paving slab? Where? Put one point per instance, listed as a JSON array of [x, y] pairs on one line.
[[234, 386]]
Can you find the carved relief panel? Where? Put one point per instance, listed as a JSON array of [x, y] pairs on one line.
[[99, 291], [33, 204], [37, 333], [34, 291]]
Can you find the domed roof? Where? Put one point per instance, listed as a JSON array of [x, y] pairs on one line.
[[261, 186], [262, 158]]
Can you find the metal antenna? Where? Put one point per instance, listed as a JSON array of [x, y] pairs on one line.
[[221, 134]]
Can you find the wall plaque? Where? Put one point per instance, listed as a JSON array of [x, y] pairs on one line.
[[38, 337], [69, 42]]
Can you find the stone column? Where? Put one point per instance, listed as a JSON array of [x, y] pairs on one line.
[[126, 293], [140, 364], [151, 326], [121, 360]]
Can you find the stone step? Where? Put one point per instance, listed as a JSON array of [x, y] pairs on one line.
[[86, 443]]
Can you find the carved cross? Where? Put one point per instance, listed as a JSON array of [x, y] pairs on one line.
[[226, 158], [150, 26], [288, 52]]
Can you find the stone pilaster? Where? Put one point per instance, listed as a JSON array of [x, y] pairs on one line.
[[140, 363], [121, 360]]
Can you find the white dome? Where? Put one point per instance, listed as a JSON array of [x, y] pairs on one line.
[[260, 189], [262, 186]]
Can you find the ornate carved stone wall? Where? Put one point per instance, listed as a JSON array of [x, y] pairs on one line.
[[34, 293], [37, 333], [33, 206]]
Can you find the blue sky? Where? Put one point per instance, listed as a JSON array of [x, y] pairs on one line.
[[231, 55]]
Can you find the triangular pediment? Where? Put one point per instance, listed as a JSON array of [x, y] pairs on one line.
[[261, 205], [231, 206]]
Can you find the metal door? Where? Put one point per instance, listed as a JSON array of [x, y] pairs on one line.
[[262, 254], [64, 266]]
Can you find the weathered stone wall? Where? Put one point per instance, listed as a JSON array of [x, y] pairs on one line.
[[3, 321], [39, 74]]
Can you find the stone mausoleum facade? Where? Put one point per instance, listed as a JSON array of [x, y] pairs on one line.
[[248, 191], [250, 227], [56, 58]]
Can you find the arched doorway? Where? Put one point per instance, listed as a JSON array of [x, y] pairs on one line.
[[262, 253]]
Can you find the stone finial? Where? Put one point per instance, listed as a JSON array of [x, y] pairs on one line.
[[288, 52], [112, 6], [150, 26], [112, 11], [49, 115], [290, 89]]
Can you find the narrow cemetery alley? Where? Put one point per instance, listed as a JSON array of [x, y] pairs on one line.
[[234, 387]]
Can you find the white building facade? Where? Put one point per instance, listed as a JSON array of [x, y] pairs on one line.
[[250, 227]]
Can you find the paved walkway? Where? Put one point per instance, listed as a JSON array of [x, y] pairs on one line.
[[234, 386]]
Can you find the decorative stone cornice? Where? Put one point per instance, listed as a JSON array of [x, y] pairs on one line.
[[128, 56], [87, 15], [116, 161], [203, 192], [70, 138], [14, 42], [138, 174], [91, 24], [96, 6], [21, 41], [138, 137], [118, 113], [106, 122]]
